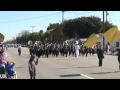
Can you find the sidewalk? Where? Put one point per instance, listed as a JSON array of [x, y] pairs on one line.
[[109, 53]]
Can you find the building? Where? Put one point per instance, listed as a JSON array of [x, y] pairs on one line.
[[83, 40], [114, 45]]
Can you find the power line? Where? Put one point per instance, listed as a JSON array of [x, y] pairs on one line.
[[81, 13], [78, 14], [44, 16], [29, 18], [111, 19]]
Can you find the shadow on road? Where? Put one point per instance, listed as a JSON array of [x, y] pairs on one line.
[[80, 67], [88, 67], [105, 72], [70, 75]]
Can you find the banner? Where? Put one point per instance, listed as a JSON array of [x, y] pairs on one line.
[[112, 35], [91, 41]]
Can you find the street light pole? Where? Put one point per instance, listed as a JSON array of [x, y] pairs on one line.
[[106, 17], [62, 24], [33, 28], [103, 33]]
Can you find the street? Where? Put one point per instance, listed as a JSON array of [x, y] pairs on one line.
[[65, 67]]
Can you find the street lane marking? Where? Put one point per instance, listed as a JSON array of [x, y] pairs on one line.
[[86, 76]]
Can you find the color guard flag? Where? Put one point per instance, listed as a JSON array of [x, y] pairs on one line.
[[112, 35], [91, 41]]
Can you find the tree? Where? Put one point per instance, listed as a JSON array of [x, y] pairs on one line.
[[18, 39], [23, 32], [52, 26], [41, 35], [108, 26], [84, 26], [77, 28], [1, 37], [41, 32]]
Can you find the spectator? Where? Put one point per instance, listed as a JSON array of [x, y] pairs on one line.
[[10, 68], [32, 67], [2, 67]]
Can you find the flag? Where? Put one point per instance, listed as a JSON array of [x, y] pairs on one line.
[[112, 35], [91, 41]]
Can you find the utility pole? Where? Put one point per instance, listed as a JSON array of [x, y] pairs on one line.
[[32, 28], [103, 33], [32, 33], [106, 17], [62, 24]]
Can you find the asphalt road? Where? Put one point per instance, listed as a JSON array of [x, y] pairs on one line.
[[65, 67]]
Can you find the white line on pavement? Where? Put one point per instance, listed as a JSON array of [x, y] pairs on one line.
[[86, 76]]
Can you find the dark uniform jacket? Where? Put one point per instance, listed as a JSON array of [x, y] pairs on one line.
[[100, 53], [118, 54]]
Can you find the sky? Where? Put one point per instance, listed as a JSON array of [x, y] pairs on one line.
[[13, 22]]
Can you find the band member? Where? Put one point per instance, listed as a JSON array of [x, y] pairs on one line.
[[77, 47], [19, 50]]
